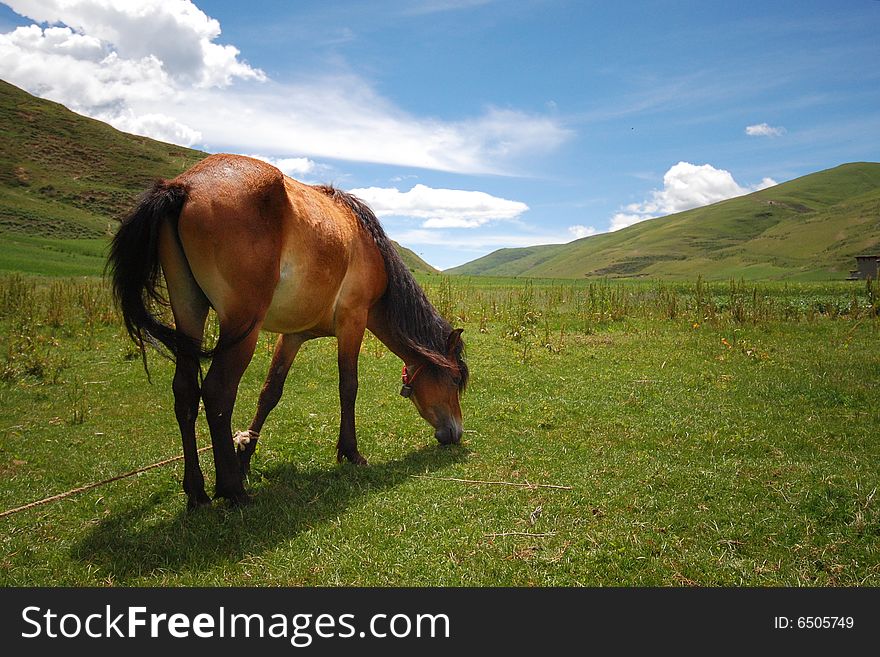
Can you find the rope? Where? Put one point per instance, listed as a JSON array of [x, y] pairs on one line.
[[96, 484]]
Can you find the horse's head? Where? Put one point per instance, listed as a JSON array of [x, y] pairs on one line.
[[435, 390]]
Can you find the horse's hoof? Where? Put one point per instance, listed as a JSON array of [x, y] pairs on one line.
[[241, 499], [198, 501], [235, 499], [235, 496], [355, 459]]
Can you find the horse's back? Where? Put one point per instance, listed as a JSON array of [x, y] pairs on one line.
[[261, 244]]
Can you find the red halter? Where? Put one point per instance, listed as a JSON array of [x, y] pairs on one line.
[[409, 378], [406, 390]]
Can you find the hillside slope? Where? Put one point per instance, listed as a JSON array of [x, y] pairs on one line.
[[66, 178], [808, 228], [413, 261], [64, 175]]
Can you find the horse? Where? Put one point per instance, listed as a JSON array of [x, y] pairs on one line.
[[267, 252]]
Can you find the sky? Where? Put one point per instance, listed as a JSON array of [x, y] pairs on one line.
[[474, 125]]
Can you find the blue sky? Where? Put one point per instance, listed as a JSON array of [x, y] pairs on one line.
[[471, 125]]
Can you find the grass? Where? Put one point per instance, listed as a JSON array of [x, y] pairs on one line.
[[711, 434], [52, 256]]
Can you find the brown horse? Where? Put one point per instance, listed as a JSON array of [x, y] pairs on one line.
[[269, 253]]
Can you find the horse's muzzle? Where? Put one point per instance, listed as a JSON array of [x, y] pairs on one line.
[[449, 435]]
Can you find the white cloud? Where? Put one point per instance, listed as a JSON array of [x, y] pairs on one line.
[[81, 71], [441, 208], [579, 231], [622, 220], [292, 166], [154, 66], [121, 62], [62, 41], [685, 186], [476, 242], [480, 242], [157, 126], [764, 130], [175, 32], [436, 6], [343, 117], [764, 184]]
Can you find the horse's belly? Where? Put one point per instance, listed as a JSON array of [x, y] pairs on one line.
[[299, 305]]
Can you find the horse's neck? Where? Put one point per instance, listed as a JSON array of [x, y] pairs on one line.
[[378, 324]]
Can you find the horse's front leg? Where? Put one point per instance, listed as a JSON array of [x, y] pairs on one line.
[[349, 336], [285, 351]]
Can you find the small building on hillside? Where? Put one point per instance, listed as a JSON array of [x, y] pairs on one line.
[[867, 266]]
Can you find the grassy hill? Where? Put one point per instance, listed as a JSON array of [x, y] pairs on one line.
[[63, 175], [65, 179], [808, 228], [414, 262]]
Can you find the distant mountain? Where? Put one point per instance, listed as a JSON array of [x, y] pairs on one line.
[[65, 179], [808, 228]]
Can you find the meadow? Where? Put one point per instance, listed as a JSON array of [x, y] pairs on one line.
[[623, 433]]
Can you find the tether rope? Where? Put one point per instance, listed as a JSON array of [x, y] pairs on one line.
[[82, 489]]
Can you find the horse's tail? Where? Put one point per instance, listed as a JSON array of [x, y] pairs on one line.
[[136, 275]]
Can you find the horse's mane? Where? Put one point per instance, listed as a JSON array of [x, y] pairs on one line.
[[412, 318]]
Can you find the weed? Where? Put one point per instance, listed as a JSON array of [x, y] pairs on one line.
[[76, 397]]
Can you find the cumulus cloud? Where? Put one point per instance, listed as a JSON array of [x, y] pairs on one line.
[[685, 186], [579, 231], [120, 62], [82, 71], [155, 67], [764, 130], [158, 126], [623, 219], [175, 32], [441, 208], [292, 166]]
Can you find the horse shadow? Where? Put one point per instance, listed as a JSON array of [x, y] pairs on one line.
[[140, 540]]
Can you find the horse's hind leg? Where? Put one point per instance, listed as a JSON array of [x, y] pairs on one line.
[[190, 308], [285, 351], [219, 390], [186, 408]]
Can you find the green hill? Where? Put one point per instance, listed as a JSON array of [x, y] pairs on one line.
[[808, 228], [414, 262], [63, 175], [65, 179]]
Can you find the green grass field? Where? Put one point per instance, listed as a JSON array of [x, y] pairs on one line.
[[706, 434]]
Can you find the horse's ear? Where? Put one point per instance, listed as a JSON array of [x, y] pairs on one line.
[[453, 341]]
